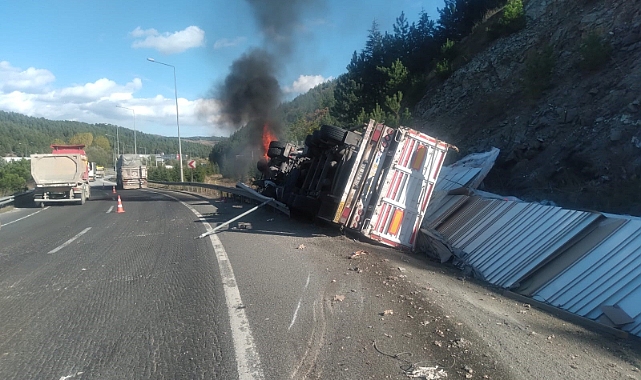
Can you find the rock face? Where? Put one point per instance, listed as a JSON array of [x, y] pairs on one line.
[[578, 143]]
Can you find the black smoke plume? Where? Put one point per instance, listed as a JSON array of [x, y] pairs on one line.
[[251, 93]]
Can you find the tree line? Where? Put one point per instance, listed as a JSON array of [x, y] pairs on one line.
[[22, 135]]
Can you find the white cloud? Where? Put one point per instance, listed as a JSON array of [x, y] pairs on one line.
[[26, 92], [305, 83], [226, 42], [168, 43], [31, 80]]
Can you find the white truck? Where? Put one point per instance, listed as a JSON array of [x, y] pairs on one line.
[[92, 171], [376, 183], [62, 176]]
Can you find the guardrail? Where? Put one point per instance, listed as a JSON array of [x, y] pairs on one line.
[[241, 190], [6, 201]]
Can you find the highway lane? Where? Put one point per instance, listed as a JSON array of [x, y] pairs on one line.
[[88, 293]]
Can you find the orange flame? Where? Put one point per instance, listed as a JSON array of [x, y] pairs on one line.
[[268, 136]]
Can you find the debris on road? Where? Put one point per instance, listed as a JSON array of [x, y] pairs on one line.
[[339, 298], [217, 228], [302, 246], [428, 373], [357, 254]]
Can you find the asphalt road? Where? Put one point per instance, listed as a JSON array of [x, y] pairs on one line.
[[88, 293]]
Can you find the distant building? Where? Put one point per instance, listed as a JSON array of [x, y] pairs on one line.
[[13, 159]]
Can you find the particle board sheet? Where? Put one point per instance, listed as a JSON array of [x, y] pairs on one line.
[[607, 275], [504, 241]]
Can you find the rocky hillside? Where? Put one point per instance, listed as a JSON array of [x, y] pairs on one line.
[[575, 142]]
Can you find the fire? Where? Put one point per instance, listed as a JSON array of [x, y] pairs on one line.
[[268, 136]]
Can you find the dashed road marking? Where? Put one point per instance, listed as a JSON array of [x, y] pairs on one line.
[[26, 216], [70, 240], [110, 208]]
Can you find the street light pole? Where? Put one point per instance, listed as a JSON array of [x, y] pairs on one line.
[[132, 110], [180, 152]]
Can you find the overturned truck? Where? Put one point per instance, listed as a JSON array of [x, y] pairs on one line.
[[376, 183]]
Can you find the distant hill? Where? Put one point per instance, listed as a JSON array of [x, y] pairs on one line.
[[22, 135]]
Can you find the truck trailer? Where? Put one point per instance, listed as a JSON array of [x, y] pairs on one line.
[[130, 172], [62, 176], [376, 183]]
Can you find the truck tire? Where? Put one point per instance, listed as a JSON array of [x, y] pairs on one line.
[[277, 144], [332, 134], [274, 152]]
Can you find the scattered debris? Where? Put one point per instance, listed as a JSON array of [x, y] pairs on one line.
[[388, 312], [438, 343], [339, 298], [244, 226], [270, 219], [357, 254], [302, 246], [428, 373]]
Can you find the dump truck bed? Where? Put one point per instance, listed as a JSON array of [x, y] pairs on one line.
[[58, 169]]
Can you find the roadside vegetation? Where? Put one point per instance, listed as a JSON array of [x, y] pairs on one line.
[[14, 176], [203, 172]]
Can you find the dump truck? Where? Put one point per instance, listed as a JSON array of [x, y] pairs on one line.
[[62, 176], [376, 183], [130, 172]]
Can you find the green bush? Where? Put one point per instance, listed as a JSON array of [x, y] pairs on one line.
[[595, 52], [538, 71], [448, 50], [14, 176], [443, 68], [512, 20]]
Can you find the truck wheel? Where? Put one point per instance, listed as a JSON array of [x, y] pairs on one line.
[[274, 152], [332, 134], [42, 205], [277, 144]]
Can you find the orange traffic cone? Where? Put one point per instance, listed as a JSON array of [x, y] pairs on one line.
[[113, 190], [119, 209]]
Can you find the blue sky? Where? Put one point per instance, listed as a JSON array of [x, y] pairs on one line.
[[82, 60]]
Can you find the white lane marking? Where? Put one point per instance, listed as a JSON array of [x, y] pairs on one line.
[[299, 302], [247, 358], [26, 216], [110, 208], [70, 240]]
